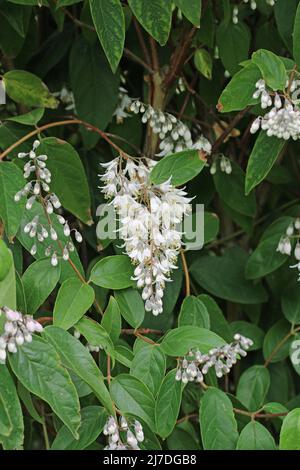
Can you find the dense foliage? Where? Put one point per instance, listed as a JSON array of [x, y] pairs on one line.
[[146, 110]]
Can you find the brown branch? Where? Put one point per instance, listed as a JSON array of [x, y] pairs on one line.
[[186, 273], [144, 331], [229, 128]]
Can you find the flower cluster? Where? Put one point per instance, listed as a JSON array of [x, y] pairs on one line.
[[113, 430], [225, 166], [285, 245], [124, 103], [148, 223], [195, 365], [18, 329], [66, 97], [175, 136], [253, 3], [38, 189], [283, 120], [90, 347]]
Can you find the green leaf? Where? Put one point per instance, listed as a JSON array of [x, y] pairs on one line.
[[149, 365], [224, 277], [5, 260], [238, 94], [37, 366], [95, 334], [39, 280], [290, 431], [111, 319], [272, 68], [109, 22], [113, 272], [67, 176], [75, 357], [193, 312], [11, 181], [218, 323], [273, 344], [253, 387], [93, 419], [28, 89], [92, 82], [29, 119], [249, 330], [131, 306], [191, 10], [265, 258], [8, 285], [217, 423], [73, 300], [233, 41], [180, 167], [285, 12], [154, 16], [203, 63], [254, 436], [10, 402], [168, 404], [133, 397], [235, 198], [290, 303], [64, 3], [179, 341]]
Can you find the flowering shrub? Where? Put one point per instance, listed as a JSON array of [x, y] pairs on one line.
[[149, 221]]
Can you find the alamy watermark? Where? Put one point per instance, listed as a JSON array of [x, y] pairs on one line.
[[295, 352], [192, 226], [2, 93]]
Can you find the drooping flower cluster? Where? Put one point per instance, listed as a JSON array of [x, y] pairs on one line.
[[283, 120], [18, 329], [133, 434], [148, 223], [38, 189], [253, 3], [224, 163], [285, 245], [175, 136], [124, 103], [195, 365], [67, 98]]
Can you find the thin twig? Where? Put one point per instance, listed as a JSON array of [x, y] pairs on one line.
[[186, 273]]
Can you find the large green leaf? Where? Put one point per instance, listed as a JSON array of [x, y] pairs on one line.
[[11, 181], [39, 280], [296, 37], [12, 430], [109, 22], [8, 283], [132, 396], [131, 306], [290, 303], [253, 387], [272, 68], [263, 156], [193, 312], [5, 260], [290, 431], [233, 41], [28, 89], [73, 300], [93, 419], [191, 9], [113, 272], [75, 357], [168, 404], [238, 94], [180, 341], [254, 436], [154, 16], [224, 277], [218, 322], [38, 367], [111, 319], [273, 343], [149, 365], [217, 423], [67, 176], [180, 167], [95, 334]]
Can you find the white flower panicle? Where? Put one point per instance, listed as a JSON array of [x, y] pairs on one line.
[[283, 120], [38, 189], [224, 163], [18, 329], [175, 136], [148, 223], [124, 103], [286, 245], [195, 365], [123, 435]]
